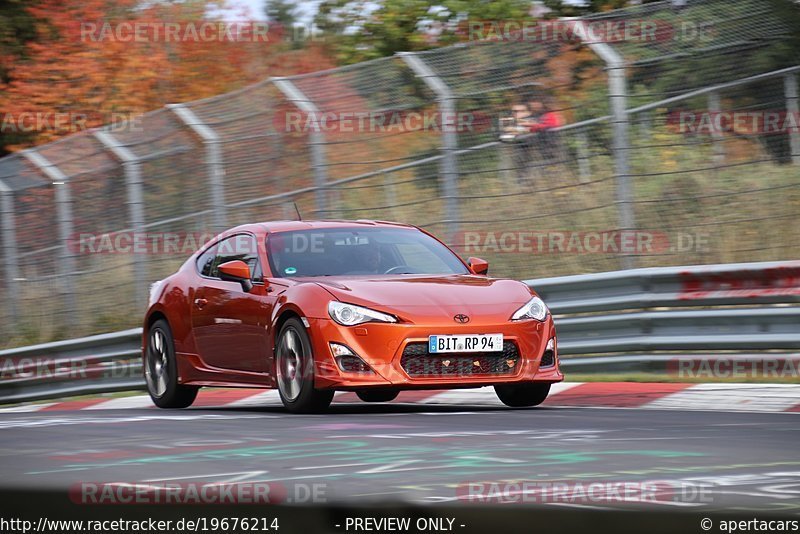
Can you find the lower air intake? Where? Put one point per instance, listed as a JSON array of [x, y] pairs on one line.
[[548, 359], [418, 362]]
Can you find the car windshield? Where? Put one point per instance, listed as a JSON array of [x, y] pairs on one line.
[[359, 251]]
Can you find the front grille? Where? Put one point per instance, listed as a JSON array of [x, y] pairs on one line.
[[417, 361]]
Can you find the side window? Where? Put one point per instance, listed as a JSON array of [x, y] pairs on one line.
[[205, 262], [238, 247]]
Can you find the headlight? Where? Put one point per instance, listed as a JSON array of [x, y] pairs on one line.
[[350, 314], [534, 309]]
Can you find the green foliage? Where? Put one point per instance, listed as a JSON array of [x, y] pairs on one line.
[[281, 12], [573, 9], [285, 15], [16, 30], [362, 30]]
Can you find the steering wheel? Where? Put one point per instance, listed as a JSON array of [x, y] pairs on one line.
[[397, 268]]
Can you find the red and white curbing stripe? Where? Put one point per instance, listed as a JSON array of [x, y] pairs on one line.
[[669, 396]]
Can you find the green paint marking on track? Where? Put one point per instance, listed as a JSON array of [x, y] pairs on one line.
[[471, 461]]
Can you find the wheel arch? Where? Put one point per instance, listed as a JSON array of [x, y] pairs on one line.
[[150, 319], [155, 316], [283, 316]]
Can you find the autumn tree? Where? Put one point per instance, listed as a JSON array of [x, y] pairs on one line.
[[77, 61]]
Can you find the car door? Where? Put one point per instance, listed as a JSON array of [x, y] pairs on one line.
[[229, 324]]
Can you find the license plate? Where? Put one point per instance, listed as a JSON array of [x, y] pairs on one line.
[[465, 343]]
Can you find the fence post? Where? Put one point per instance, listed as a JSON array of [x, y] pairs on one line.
[[10, 257], [714, 108], [792, 107], [316, 139], [133, 180], [65, 228], [618, 99], [214, 161], [448, 167]]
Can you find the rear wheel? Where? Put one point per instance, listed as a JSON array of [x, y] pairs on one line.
[[377, 395], [522, 395], [294, 362], [161, 370]]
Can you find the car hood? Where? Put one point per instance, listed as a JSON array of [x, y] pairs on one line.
[[417, 298]]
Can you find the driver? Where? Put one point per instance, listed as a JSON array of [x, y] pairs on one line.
[[368, 257]]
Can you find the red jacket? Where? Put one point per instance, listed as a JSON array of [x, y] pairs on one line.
[[548, 121]]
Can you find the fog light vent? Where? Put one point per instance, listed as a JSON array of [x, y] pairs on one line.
[[549, 356], [352, 364], [347, 360]]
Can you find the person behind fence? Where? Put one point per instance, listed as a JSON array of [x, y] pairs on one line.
[[513, 129], [542, 121], [514, 126]]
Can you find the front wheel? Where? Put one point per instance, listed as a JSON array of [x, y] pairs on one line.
[[161, 370], [522, 395], [294, 363]]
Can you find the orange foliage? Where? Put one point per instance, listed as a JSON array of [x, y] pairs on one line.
[[69, 70]]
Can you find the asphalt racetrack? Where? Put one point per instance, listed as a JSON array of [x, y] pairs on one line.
[[419, 454]]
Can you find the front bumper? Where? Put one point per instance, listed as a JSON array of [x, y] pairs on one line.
[[381, 347]]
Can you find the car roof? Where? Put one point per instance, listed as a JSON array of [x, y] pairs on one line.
[[289, 226]]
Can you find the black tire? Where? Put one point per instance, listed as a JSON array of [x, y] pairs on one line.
[[161, 370], [294, 365], [377, 395], [522, 395]]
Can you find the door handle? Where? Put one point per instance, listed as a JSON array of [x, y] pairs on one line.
[[200, 303]]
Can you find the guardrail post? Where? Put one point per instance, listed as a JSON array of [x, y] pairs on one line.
[[448, 167], [65, 229], [316, 139], [214, 161], [10, 257], [792, 107], [618, 98], [714, 108], [133, 179]]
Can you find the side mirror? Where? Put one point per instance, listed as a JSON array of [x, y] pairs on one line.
[[478, 266], [236, 271]]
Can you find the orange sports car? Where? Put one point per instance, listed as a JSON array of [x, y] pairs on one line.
[[312, 307]]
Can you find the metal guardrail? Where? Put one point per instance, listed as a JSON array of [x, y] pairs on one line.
[[96, 364], [202, 166], [705, 285], [606, 322]]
